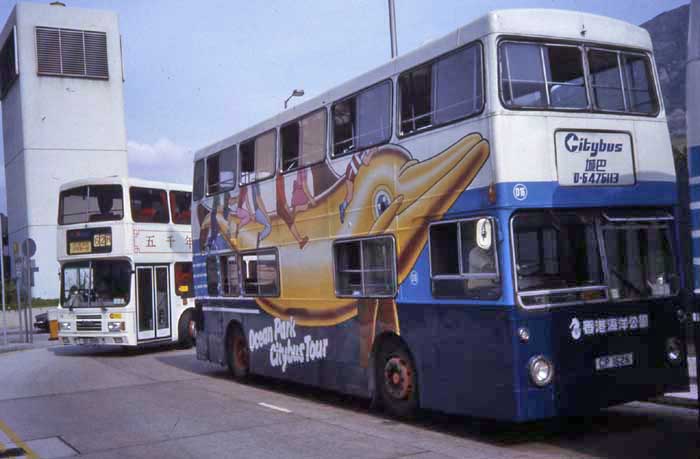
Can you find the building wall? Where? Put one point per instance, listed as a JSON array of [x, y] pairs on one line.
[[57, 129]]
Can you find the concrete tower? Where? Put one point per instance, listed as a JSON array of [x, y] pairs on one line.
[[61, 93]]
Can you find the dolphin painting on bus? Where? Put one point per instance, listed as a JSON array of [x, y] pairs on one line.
[[484, 226]]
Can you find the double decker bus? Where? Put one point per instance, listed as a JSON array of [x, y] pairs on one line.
[[124, 249], [483, 226]]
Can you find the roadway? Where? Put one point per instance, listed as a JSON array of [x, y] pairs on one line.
[[71, 401]]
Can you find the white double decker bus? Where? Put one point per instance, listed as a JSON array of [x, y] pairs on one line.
[[124, 249]]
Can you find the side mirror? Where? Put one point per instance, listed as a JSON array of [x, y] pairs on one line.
[[484, 233]]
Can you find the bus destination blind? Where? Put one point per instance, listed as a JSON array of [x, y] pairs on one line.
[[89, 240]]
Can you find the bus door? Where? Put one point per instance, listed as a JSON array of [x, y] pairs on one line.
[[152, 302]]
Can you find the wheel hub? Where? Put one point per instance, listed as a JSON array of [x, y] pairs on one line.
[[240, 352], [398, 378]]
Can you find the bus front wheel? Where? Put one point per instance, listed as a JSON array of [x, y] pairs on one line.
[[238, 354], [397, 380]]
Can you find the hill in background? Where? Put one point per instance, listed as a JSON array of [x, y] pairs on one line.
[[669, 34]]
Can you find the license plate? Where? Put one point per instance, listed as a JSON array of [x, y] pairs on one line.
[[86, 341], [614, 361], [79, 247]]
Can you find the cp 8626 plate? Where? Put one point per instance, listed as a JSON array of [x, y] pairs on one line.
[[607, 362]]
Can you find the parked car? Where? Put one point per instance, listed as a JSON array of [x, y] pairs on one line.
[[41, 322]]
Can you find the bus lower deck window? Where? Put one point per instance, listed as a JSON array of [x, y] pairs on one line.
[[260, 273], [212, 277], [184, 284], [463, 259], [230, 281], [365, 267]]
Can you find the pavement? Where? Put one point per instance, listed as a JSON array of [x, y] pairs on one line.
[[687, 399], [69, 401]]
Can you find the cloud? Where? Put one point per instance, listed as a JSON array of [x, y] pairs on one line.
[[163, 160]]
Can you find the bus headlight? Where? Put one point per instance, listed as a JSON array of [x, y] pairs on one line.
[[115, 326], [65, 326], [541, 370], [674, 350]]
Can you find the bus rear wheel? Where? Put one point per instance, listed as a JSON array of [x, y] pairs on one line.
[[185, 339], [238, 354], [397, 380]]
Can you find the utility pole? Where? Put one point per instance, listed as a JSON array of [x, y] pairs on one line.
[[392, 29], [2, 276]]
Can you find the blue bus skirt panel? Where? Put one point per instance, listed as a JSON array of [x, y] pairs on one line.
[[326, 357]]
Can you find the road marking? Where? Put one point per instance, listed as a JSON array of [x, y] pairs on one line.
[[273, 407], [18, 441]]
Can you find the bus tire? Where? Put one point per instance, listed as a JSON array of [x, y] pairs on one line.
[[237, 353], [184, 338], [396, 380]]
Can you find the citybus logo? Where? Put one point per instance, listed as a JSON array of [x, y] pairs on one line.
[[574, 143]]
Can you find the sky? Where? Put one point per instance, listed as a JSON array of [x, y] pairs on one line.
[[199, 71]]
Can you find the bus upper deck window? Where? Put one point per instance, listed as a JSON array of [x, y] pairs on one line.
[[93, 203], [363, 120], [180, 202], [221, 171], [304, 141], [605, 80], [198, 181], [622, 82], [641, 97], [542, 76], [258, 157], [448, 89], [149, 205]]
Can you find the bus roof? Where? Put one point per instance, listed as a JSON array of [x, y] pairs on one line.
[[538, 23], [126, 182]]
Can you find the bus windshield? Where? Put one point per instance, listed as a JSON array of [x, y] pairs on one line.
[[556, 250], [99, 283], [640, 259], [558, 256], [92, 203]]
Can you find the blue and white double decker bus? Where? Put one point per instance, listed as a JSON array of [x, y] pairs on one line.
[[483, 226]]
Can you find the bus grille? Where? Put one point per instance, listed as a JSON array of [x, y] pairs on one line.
[[88, 325], [89, 317]]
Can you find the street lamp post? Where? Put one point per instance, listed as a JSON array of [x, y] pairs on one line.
[[295, 93], [392, 29]]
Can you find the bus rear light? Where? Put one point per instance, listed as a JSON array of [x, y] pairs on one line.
[[674, 350], [541, 370]]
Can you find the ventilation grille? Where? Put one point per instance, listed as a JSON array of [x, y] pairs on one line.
[[8, 65], [74, 53], [87, 325]]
